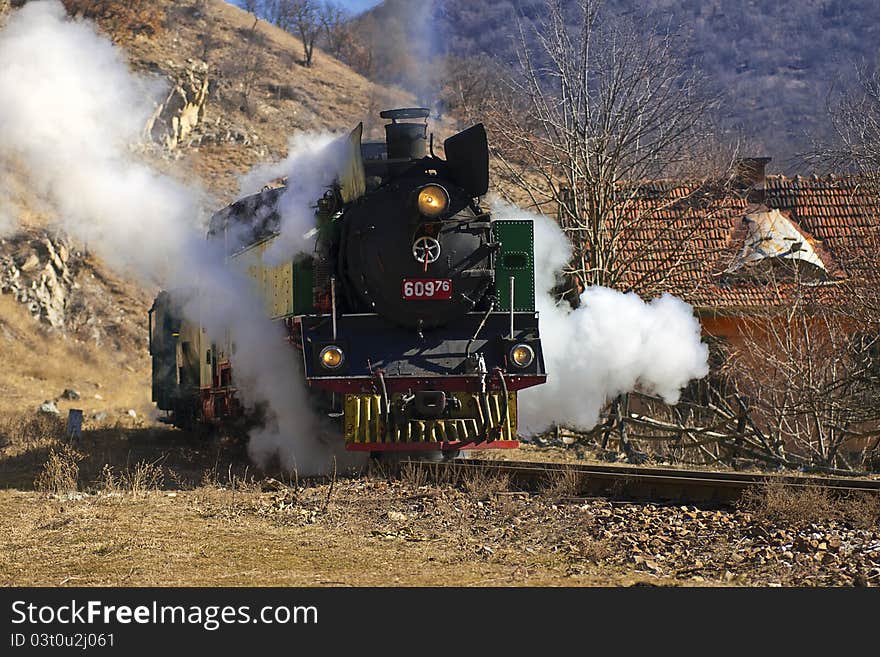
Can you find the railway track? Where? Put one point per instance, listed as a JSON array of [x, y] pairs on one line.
[[641, 483]]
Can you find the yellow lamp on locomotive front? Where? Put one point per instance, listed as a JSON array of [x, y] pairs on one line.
[[433, 201], [522, 355], [332, 357]]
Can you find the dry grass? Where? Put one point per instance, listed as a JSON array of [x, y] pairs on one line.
[[483, 484], [261, 539], [563, 484], [412, 474], [26, 443], [797, 505], [862, 510], [40, 363], [196, 515], [138, 479], [28, 430], [804, 505], [60, 473], [158, 508]]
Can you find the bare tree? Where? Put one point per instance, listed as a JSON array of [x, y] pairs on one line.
[[300, 17], [335, 28], [826, 395], [470, 86], [252, 6], [855, 121], [208, 39], [600, 105], [813, 379], [247, 65]]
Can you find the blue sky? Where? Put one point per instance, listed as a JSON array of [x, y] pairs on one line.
[[354, 6], [359, 5]]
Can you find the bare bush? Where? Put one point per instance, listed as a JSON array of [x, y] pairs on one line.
[[120, 19], [483, 484], [27, 430], [777, 503], [60, 474], [246, 66], [142, 477], [804, 505], [812, 382], [563, 484], [862, 510]]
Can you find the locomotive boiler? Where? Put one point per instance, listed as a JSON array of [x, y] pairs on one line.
[[414, 316]]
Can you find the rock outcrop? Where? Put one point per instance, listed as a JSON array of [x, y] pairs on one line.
[[68, 290], [175, 120], [36, 271]]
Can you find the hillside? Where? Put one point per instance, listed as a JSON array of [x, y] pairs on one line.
[[774, 63], [258, 95], [234, 95]]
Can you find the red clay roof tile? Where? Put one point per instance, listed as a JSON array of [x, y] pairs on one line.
[[683, 249]]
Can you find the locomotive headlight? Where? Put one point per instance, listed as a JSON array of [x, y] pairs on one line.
[[522, 355], [332, 357], [433, 201]]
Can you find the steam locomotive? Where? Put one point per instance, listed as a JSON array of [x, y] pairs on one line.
[[414, 316]]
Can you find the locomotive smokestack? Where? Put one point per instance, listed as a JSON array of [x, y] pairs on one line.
[[406, 141]]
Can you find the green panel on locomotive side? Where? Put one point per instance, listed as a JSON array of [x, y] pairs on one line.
[[516, 259], [303, 286]]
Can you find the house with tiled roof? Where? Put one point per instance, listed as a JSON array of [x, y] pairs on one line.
[[741, 250], [783, 273]]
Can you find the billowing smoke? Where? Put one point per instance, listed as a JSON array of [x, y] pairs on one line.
[[69, 113], [313, 161], [612, 344]]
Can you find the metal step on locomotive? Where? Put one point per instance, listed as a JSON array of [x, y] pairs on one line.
[[414, 316]]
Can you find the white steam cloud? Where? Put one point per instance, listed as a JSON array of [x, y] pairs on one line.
[[313, 161], [69, 111], [612, 344]]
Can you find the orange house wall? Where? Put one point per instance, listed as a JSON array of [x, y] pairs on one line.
[[735, 330], [727, 328]]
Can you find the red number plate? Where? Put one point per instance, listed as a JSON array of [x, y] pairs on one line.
[[427, 288]]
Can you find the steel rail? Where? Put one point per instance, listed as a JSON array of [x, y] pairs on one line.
[[644, 483]]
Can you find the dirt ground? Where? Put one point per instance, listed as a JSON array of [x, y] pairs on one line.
[[135, 505]]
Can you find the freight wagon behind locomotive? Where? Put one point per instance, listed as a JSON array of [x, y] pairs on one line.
[[414, 315]]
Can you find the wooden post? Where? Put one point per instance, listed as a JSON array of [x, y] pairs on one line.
[[622, 414], [74, 424]]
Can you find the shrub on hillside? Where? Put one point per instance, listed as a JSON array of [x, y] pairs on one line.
[[120, 19]]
